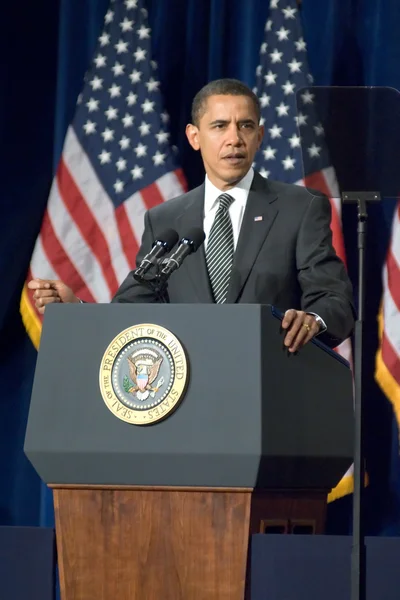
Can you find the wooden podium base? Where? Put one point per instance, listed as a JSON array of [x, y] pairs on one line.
[[169, 544]]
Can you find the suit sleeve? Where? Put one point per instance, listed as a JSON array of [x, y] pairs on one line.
[[130, 289], [325, 286]]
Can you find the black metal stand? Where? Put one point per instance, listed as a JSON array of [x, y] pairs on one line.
[[156, 283], [358, 562]]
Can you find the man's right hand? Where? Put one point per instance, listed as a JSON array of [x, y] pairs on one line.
[[48, 291]]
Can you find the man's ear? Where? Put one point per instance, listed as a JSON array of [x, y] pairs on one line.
[[192, 134], [260, 135]]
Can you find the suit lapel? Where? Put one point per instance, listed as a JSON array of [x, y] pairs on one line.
[[261, 210], [195, 265]]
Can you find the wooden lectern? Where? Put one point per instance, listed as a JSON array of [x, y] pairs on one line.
[[164, 512]]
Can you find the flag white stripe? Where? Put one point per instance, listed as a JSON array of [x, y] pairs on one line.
[[135, 209], [76, 248], [40, 264], [98, 201], [391, 317]]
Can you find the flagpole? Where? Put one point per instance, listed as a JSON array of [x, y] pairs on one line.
[[358, 554]]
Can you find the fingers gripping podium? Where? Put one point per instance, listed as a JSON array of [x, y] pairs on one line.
[[256, 438]]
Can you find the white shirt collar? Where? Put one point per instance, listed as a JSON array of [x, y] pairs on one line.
[[239, 192]]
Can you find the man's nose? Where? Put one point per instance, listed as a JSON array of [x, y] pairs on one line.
[[234, 136]]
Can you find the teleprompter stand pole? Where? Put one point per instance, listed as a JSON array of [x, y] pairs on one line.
[[358, 554]]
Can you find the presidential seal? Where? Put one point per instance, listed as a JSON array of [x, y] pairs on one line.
[[143, 374]]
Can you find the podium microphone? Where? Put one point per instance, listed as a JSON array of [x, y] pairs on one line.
[[188, 244], [163, 244]]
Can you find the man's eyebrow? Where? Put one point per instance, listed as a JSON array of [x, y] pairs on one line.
[[224, 122]]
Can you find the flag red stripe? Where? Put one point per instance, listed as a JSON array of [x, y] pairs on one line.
[[152, 196], [60, 261], [86, 223], [181, 178], [393, 272], [128, 239], [318, 182], [390, 358]]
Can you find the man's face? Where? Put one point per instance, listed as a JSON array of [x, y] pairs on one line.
[[228, 136]]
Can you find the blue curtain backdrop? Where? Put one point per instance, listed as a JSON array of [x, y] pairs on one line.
[[46, 48]]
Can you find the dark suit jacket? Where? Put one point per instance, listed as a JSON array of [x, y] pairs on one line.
[[285, 259]]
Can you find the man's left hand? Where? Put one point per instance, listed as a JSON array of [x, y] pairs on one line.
[[300, 329]]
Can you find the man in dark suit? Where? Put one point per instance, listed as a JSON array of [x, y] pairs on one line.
[[266, 242]]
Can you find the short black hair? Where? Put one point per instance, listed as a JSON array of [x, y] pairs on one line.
[[221, 87]]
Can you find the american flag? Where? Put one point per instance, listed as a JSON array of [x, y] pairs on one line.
[[388, 357], [116, 163], [294, 150]]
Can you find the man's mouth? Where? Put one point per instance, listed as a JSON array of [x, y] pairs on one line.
[[234, 158]]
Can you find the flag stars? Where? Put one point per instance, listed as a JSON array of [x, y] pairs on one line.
[[126, 25], [140, 54], [135, 76], [96, 83], [137, 172], [108, 135], [264, 173], [140, 150], [89, 127], [105, 157], [111, 113], [274, 4], [282, 110], [301, 46], [283, 34], [148, 106], [164, 117], [143, 32], [258, 71], [289, 12], [265, 100], [158, 159], [109, 18], [270, 78], [276, 56], [121, 47], [121, 164], [319, 130], [301, 119], [130, 4], [288, 163], [118, 69], [124, 142], [152, 85], [295, 66], [269, 153], [115, 90], [119, 186], [275, 132], [92, 104], [127, 120], [104, 39], [162, 137], [100, 61], [288, 88], [268, 25], [144, 128], [131, 99], [294, 141], [307, 97], [314, 151], [263, 48]]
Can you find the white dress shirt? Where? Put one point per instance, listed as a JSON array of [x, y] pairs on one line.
[[236, 209]]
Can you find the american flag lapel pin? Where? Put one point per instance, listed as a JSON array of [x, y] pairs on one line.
[[259, 218]]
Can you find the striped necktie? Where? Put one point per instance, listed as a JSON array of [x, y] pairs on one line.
[[220, 249]]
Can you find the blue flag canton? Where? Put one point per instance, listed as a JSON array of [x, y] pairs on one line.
[[120, 121], [294, 144]]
